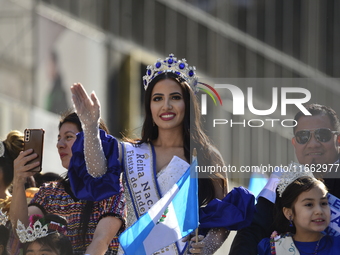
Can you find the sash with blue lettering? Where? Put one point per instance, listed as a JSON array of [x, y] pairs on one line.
[[141, 181], [140, 177], [333, 228]]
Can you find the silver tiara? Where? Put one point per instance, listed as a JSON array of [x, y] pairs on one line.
[[38, 230], [2, 149], [171, 64], [3, 218], [31, 233], [295, 171]]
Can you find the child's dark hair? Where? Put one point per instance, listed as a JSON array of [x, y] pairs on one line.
[[288, 199]]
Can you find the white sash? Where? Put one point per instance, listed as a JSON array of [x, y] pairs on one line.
[[142, 184], [333, 228], [286, 246], [140, 177]]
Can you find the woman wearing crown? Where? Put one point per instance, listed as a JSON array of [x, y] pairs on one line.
[[159, 158]]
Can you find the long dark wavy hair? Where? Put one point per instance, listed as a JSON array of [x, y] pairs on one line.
[[72, 117], [193, 136], [288, 199]]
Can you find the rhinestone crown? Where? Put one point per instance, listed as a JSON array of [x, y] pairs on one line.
[[295, 171], [38, 230], [32, 233], [171, 64]]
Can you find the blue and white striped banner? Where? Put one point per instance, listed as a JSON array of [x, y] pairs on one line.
[[174, 216]]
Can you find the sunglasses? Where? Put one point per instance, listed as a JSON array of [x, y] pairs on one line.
[[321, 134]]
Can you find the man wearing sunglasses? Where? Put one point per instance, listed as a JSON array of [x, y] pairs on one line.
[[316, 142]]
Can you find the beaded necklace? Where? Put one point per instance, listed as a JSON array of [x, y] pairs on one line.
[[316, 247]]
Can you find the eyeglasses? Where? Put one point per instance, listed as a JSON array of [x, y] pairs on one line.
[[321, 134]]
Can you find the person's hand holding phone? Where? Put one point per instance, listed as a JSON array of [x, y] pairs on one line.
[[34, 139], [22, 169], [29, 161]]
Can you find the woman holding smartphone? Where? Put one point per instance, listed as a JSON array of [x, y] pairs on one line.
[[92, 226]]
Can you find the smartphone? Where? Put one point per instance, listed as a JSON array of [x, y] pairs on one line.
[[34, 139]]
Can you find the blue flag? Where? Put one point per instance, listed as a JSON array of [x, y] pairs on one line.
[[173, 217]]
